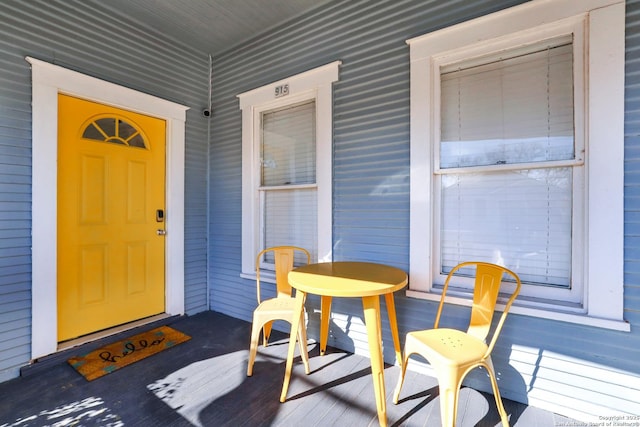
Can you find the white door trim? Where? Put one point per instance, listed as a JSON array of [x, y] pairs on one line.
[[47, 81]]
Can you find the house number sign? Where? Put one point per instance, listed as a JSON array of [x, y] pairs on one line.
[[282, 90]]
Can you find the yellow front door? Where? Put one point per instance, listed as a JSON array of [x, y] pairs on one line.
[[111, 201]]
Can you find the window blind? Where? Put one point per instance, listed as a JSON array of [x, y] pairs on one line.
[[516, 109], [510, 110], [288, 177], [520, 219]]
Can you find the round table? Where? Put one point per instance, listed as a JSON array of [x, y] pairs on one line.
[[364, 280]]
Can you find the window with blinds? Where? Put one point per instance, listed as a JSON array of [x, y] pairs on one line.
[[517, 152], [288, 190], [506, 162]]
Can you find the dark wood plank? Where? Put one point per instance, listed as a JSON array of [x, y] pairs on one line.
[[203, 382]]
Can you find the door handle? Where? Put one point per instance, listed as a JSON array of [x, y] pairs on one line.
[[161, 232]]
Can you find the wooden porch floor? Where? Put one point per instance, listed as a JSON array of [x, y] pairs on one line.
[[203, 383]]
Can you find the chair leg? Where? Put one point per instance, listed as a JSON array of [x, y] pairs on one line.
[[253, 347], [302, 342], [449, 385], [266, 333], [410, 347], [403, 371], [295, 325], [496, 393]]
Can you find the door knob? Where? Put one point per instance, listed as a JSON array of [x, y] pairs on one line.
[[161, 232]]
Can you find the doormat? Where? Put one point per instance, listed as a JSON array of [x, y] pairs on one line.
[[114, 356]]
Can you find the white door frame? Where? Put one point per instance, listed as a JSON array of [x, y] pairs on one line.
[[48, 81]]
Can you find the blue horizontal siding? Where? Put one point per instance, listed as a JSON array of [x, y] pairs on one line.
[[90, 37], [542, 360]]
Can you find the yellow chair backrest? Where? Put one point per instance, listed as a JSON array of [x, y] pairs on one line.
[[283, 259], [488, 278]]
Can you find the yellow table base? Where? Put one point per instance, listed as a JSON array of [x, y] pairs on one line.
[[350, 279]]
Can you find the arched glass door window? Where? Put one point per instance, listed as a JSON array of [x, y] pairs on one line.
[[115, 131]]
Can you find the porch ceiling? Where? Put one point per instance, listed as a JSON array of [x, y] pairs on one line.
[[213, 26]]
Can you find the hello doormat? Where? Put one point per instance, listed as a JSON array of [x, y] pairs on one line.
[[114, 356]]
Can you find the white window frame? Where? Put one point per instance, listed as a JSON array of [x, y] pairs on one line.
[[573, 296], [603, 21], [315, 84], [49, 80]]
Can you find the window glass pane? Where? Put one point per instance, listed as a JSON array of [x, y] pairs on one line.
[[125, 130], [114, 131], [92, 132], [289, 146], [514, 109], [521, 219], [289, 218], [108, 125], [137, 141]]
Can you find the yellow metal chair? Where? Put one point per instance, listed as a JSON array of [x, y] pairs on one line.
[[279, 308], [453, 353]]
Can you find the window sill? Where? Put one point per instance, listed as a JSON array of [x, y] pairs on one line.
[[538, 309], [265, 276]]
